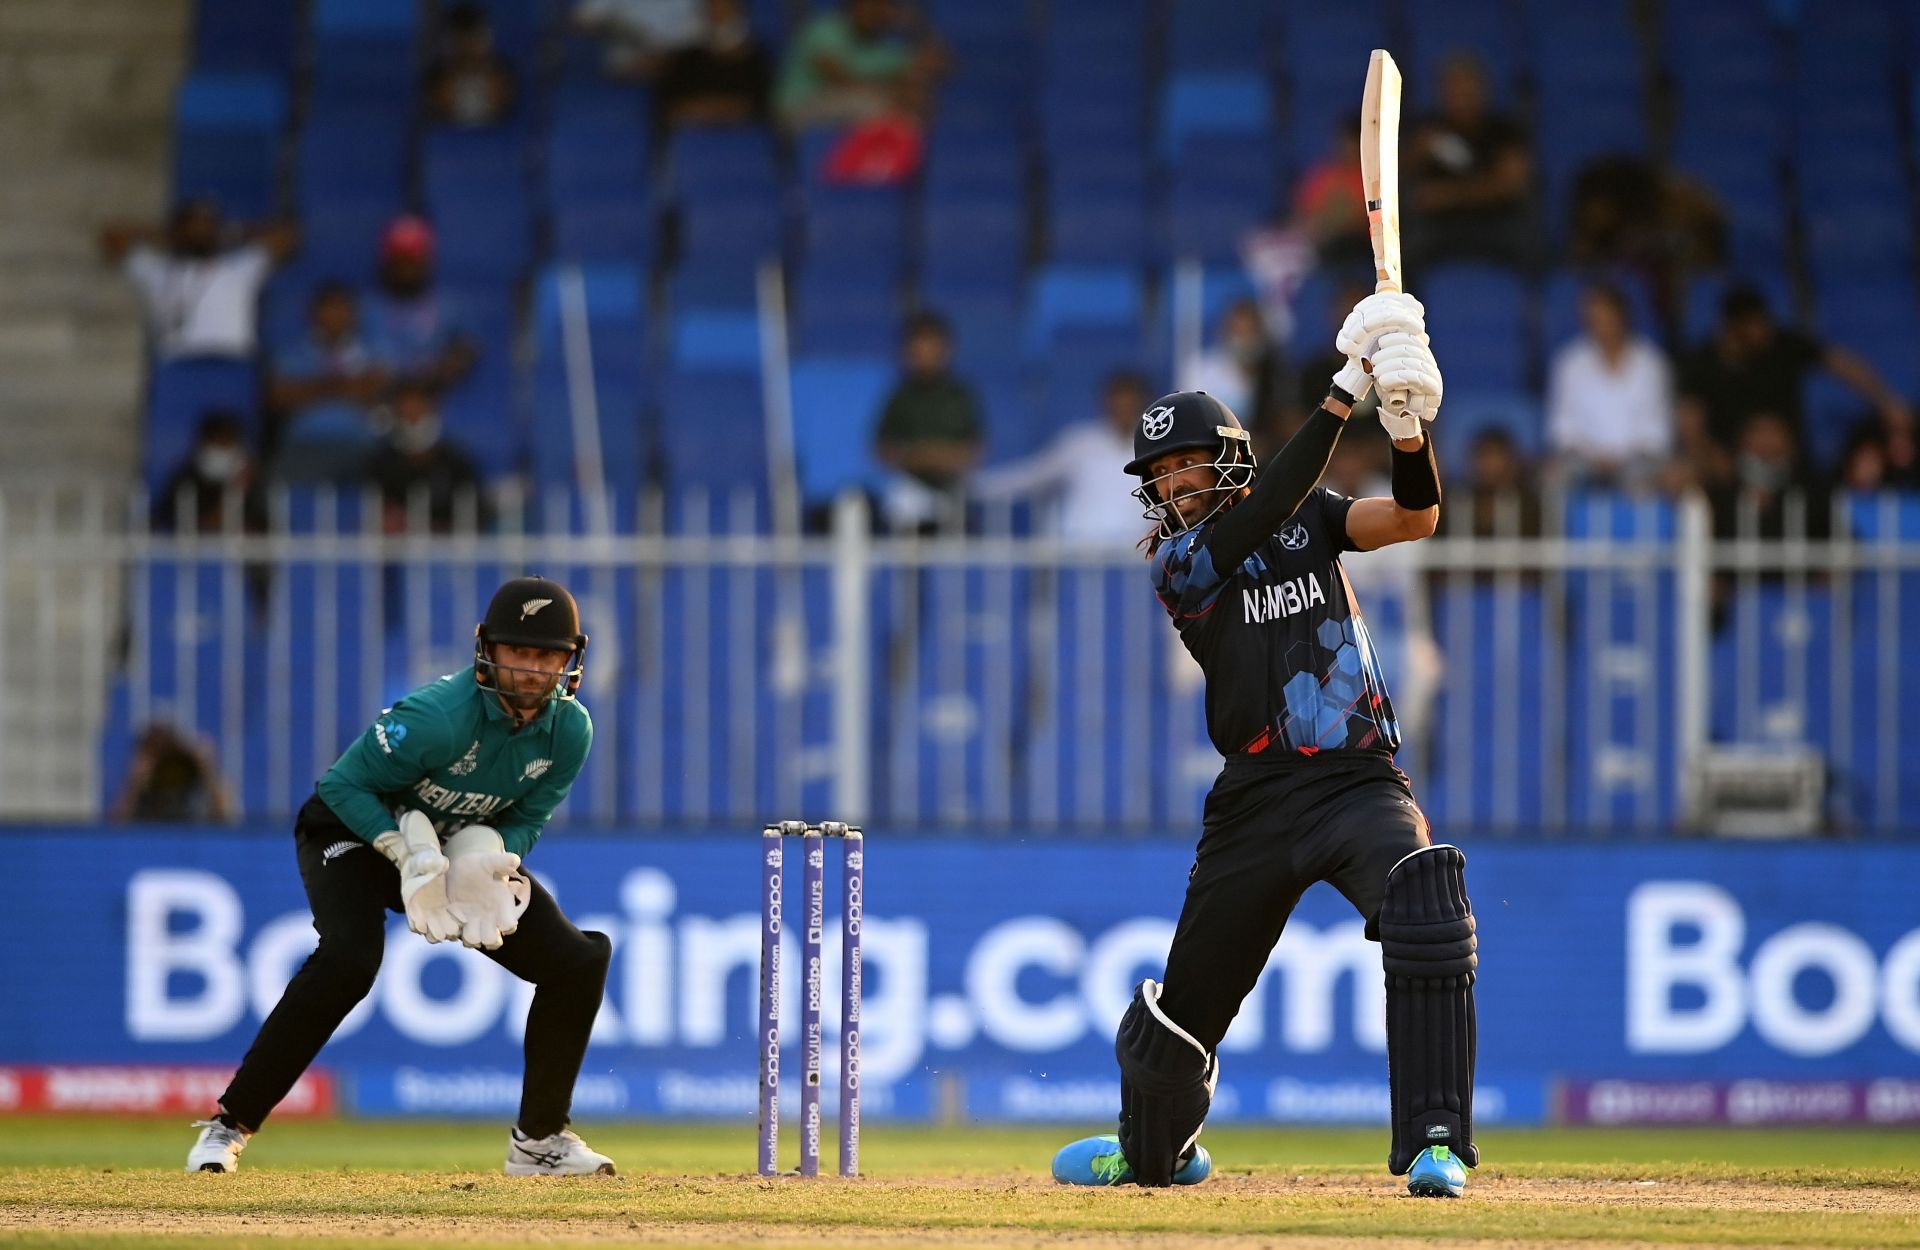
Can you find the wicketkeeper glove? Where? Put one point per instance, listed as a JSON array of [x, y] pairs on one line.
[[485, 888], [414, 849]]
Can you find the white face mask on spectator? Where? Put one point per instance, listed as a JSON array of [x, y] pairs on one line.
[[219, 463], [414, 437]]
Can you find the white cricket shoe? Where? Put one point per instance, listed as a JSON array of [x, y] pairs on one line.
[[562, 1154], [218, 1149]]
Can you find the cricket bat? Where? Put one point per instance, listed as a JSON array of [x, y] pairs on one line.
[[1380, 176]]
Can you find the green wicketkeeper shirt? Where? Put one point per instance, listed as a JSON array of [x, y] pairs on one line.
[[450, 750]]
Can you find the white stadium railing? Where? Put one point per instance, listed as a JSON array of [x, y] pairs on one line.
[[1623, 671]]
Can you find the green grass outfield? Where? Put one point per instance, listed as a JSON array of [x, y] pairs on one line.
[[71, 1182]]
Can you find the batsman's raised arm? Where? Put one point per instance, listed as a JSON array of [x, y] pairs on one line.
[[1388, 331]]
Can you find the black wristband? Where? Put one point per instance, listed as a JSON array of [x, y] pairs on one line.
[[1416, 479], [1336, 391]]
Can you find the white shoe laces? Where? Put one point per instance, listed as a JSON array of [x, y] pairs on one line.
[[220, 1134]]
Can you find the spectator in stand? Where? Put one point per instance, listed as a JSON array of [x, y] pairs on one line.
[[930, 430], [1753, 365], [173, 777], [1609, 400], [418, 467], [641, 34], [1330, 201], [406, 323], [217, 486], [1325, 227], [1071, 479], [1470, 170], [1243, 369], [1497, 500], [320, 392], [1868, 464], [856, 65], [468, 83], [200, 278], [724, 79], [1771, 482], [1630, 211]]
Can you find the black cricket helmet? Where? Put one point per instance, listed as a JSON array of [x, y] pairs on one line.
[[1189, 421], [531, 612]]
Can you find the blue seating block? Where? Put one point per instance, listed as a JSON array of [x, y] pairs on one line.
[[836, 407]]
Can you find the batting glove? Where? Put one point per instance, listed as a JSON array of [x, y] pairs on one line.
[[485, 888], [1374, 316], [1409, 380], [414, 849]]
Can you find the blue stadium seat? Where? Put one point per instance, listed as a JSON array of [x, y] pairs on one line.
[[732, 238], [710, 339], [1221, 187], [713, 429], [484, 238], [613, 302], [859, 227], [1860, 239], [1080, 359], [1471, 409], [1482, 29], [610, 293], [974, 244], [1328, 45], [256, 36], [718, 162], [480, 412], [343, 242], [1720, 44], [1560, 304], [364, 49], [604, 231], [1584, 50], [836, 406], [1063, 295], [597, 159], [1108, 229], [1214, 35], [179, 393], [1213, 104], [357, 153], [227, 136], [965, 166], [846, 312], [1477, 314]]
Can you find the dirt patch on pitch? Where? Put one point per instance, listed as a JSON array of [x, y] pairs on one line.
[[165, 1228]]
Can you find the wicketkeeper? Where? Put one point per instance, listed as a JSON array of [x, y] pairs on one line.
[[429, 814]]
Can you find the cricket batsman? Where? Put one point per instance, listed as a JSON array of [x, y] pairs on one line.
[[1248, 569], [429, 814]]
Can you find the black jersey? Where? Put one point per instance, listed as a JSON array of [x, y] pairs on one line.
[[1286, 654]]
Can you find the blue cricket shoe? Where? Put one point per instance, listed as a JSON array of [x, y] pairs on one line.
[[1436, 1173], [1098, 1161]]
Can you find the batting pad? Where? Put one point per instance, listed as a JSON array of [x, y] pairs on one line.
[[1428, 946], [1166, 1085]]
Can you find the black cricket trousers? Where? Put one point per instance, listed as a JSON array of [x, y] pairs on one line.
[[1274, 825], [351, 893]]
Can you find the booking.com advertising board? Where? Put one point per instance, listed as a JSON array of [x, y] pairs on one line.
[[1750, 983]]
